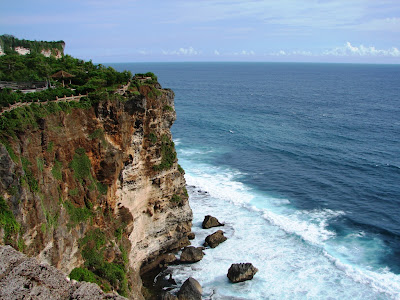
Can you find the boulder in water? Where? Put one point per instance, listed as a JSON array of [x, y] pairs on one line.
[[213, 240], [191, 235], [241, 272], [191, 254], [210, 221], [190, 290]]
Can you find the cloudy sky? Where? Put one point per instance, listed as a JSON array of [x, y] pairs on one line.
[[212, 30]]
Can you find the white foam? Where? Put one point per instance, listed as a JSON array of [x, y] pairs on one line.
[[267, 233]]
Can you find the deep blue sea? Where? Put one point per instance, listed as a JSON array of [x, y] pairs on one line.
[[302, 163]]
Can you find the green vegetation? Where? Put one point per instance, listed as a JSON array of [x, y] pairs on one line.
[[8, 222], [152, 137], [102, 188], [168, 154], [185, 192], [92, 248], [40, 163], [180, 169], [82, 274], [80, 164], [57, 170], [10, 150], [176, 199], [154, 93], [21, 119], [77, 214], [9, 42], [81, 167], [29, 177], [168, 108], [97, 134], [50, 147], [148, 74]]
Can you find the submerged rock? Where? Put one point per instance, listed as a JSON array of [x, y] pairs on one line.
[[190, 290], [191, 254], [210, 221], [241, 272], [213, 240]]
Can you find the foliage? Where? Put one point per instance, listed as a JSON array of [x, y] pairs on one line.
[[152, 137], [148, 74], [10, 150], [83, 274], [50, 147], [9, 42], [29, 176], [57, 170], [92, 248], [40, 163], [80, 164], [7, 221], [176, 199], [168, 154], [21, 119], [77, 214], [168, 108], [180, 169]]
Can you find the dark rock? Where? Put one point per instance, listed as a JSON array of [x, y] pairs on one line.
[[167, 296], [241, 272], [190, 290], [191, 254], [191, 236], [210, 221], [213, 240]]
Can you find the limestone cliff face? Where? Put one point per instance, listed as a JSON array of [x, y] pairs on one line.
[[110, 168]]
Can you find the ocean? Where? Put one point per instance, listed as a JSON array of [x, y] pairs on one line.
[[302, 163]]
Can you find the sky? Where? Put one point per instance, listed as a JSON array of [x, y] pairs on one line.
[[346, 31]]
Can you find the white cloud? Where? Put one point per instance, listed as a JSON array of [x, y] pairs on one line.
[[183, 51], [144, 52], [349, 50], [245, 52], [216, 52], [290, 53]]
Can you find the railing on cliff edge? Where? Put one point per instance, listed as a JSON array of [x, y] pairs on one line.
[[120, 91]]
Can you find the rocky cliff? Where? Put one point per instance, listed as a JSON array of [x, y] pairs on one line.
[[10, 44], [96, 190]]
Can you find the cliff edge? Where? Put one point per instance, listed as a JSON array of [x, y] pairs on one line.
[[96, 190]]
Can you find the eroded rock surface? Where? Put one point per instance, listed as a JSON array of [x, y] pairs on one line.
[[190, 290], [210, 221], [25, 278], [213, 240], [108, 169], [241, 272], [191, 254]]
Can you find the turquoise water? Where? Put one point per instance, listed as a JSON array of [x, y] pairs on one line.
[[302, 162]]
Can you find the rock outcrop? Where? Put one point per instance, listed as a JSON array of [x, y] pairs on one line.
[[213, 240], [210, 221], [241, 272], [191, 254], [190, 290], [97, 186], [25, 278]]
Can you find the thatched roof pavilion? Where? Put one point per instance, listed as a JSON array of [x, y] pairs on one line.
[[62, 75]]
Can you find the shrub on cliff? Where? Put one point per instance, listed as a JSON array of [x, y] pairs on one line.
[[168, 154]]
